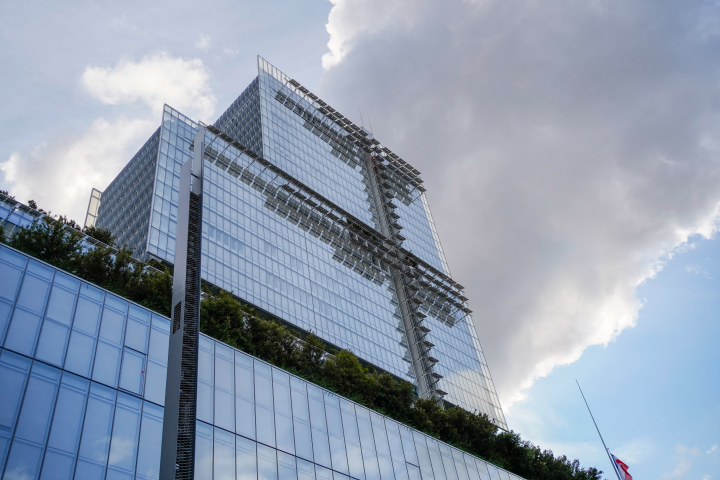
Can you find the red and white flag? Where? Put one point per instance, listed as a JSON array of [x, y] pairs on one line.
[[621, 468]]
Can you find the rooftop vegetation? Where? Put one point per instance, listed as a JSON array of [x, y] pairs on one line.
[[229, 320]]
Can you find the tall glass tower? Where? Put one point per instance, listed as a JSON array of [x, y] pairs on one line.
[[310, 218]]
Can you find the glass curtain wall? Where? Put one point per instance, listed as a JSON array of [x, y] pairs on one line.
[[82, 380]]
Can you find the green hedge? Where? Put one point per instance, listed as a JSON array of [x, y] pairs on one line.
[[226, 319]]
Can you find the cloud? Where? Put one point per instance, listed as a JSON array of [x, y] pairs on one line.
[[713, 450], [636, 451], [60, 172], [684, 463], [569, 148], [155, 80], [202, 42]]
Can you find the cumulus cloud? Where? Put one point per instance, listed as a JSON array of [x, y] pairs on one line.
[[202, 42], [569, 148], [60, 173], [156, 79], [684, 462]]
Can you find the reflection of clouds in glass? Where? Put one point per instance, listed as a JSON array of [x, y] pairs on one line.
[[19, 473], [122, 449]]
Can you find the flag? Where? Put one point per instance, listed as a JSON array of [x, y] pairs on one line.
[[621, 468]]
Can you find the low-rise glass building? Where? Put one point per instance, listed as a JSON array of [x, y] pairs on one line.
[[82, 386]]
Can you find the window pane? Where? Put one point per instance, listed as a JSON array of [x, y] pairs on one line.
[[95, 441], [203, 450], [5, 310], [283, 411], [87, 315], [126, 429], [80, 353], [265, 423], [22, 332], [136, 336], [133, 371], [267, 463], [286, 467], [224, 387], [244, 396], [33, 293], [52, 342], [305, 470], [10, 276], [224, 452], [245, 459], [65, 431], [205, 380], [148, 464], [14, 371], [61, 305], [107, 364]]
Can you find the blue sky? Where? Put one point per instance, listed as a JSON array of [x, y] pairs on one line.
[[570, 151]]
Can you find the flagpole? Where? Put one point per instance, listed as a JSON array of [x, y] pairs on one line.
[[598, 430]]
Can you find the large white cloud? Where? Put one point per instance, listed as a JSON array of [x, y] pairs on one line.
[[60, 172], [156, 80], [569, 147]]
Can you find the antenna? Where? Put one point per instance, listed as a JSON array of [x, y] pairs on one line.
[[361, 119], [371, 130], [598, 430]]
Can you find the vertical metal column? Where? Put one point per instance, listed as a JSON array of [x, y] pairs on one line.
[[178, 441]]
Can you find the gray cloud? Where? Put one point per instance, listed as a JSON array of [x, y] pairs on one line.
[[568, 148]]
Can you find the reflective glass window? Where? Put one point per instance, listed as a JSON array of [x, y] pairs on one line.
[[6, 309], [267, 463], [224, 455], [35, 288], [157, 360], [205, 380], [264, 417], [301, 419], [283, 411], [321, 446], [423, 456], [132, 373], [148, 463], [64, 437], [34, 423], [286, 467], [23, 331], [109, 348], [125, 432], [305, 470], [408, 444], [335, 429], [244, 396], [203, 450], [12, 265], [224, 387], [95, 440], [138, 326], [322, 473], [245, 459], [14, 370]]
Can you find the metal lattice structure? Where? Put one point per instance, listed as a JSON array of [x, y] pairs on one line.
[[178, 450]]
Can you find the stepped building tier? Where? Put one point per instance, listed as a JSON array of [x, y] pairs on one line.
[[309, 218]]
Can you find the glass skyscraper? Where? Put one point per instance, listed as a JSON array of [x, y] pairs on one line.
[[311, 219], [82, 391]]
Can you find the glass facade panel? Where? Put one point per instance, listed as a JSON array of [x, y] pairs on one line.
[[56, 424]]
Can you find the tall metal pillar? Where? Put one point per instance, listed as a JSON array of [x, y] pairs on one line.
[[178, 442]]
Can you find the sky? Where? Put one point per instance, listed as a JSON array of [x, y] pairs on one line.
[[569, 148]]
